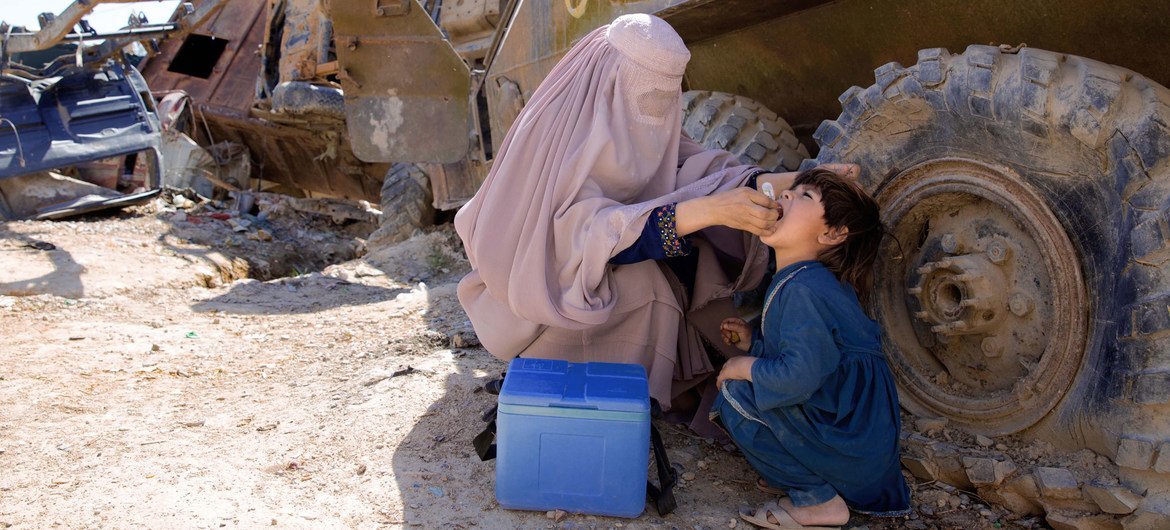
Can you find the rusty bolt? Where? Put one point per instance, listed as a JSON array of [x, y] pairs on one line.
[[991, 348], [1020, 304], [949, 244], [997, 252]]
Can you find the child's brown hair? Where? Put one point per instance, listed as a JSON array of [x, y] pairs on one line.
[[848, 206]]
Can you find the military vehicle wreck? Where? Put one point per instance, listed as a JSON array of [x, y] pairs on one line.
[[1028, 189], [78, 129]]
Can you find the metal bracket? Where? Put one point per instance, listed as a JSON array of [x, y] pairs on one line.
[[392, 8]]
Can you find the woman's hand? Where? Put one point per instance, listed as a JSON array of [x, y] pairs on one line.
[[736, 368], [741, 208], [736, 332]]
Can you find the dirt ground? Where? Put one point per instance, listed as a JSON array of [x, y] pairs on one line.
[[167, 368]]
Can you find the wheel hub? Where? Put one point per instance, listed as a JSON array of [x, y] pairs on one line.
[[985, 311]]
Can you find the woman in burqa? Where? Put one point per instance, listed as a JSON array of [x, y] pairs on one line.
[[604, 234]]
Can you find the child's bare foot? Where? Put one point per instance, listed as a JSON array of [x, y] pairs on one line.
[[834, 512]]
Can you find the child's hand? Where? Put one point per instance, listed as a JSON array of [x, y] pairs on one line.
[[737, 333], [739, 367]]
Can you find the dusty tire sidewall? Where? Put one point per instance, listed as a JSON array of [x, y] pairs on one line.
[[1065, 171]]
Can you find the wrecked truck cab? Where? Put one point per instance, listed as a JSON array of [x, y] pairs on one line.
[[73, 133], [78, 128]]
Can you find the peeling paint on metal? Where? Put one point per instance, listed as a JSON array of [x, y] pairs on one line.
[[385, 122]]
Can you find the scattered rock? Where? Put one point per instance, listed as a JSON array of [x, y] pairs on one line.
[[1113, 499], [1081, 521], [1057, 483], [733, 523], [688, 476], [1134, 453], [193, 423], [987, 471], [983, 441], [555, 515], [361, 469], [464, 339], [266, 427], [930, 425]]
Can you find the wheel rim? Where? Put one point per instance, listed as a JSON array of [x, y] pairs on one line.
[[984, 307]]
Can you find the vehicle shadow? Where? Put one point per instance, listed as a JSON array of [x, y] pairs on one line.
[[64, 278]]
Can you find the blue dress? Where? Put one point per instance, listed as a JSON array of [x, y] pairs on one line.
[[820, 416]]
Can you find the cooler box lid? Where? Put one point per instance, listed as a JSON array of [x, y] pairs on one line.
[[589, 386]]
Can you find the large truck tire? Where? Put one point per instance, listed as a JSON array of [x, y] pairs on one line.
[[406, 204], [743, 127], [1027, 288]]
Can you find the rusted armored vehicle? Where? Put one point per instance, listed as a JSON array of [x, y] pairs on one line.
[[1025, 295]]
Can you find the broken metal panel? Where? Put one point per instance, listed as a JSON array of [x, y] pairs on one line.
[[232, 81], [300, 157], [406, 90], [87, 115], [48, 195]]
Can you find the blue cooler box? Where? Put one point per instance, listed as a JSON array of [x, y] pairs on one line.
[[573, 436]]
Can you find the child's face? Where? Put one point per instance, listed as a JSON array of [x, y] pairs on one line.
[[802, 220]]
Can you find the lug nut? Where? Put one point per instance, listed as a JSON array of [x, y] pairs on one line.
[[991, 348], [997, 252], [949, 244], [1020, 304]]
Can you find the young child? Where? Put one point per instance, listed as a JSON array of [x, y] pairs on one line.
[[813, 405]]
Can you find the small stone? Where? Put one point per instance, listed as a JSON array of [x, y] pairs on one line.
[[193, 423], [1135, 453], [733, 523], [929, 425], [1113, 499], [922, 468], [1057, 483], [361, 469], [983, 441], [555, 515], [987, 471], [688, 476], [986, 513], [702, 464], [154, 347], [1162, 464], [1081, 521], [1001, 447]]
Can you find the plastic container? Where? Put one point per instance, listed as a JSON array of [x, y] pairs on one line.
[[574, 437]]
